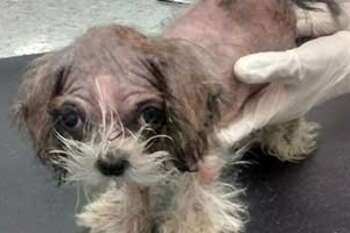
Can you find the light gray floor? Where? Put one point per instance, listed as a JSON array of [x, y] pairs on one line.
[[35, 26]]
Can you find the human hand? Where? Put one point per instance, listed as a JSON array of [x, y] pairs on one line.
[[299, 79]]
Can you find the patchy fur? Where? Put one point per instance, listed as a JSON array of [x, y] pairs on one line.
[[190, 206], [187, 74], [120, 209], [139, 115], [201, 208]]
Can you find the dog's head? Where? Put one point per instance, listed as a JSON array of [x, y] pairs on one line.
[[127, 94]]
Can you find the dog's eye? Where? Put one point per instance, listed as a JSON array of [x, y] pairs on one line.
[[69, 118], [152, 116]]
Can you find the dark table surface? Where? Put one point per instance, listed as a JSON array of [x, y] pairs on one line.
[[310, 197]]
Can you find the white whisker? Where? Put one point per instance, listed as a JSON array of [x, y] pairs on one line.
[[80, 159], [148, 143]]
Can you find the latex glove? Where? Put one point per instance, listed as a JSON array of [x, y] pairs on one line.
[[322, 22], [300, 79]]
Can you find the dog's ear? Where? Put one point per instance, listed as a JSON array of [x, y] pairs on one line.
[[40, 82], [188, 81]]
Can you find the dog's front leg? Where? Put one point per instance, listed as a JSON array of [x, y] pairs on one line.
[[124, 210], [203, 204]]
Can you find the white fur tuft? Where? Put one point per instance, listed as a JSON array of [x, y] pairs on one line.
[[123, 210], [80, 159], [200, 208]]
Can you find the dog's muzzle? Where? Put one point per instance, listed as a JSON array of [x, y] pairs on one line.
[[113, 163]]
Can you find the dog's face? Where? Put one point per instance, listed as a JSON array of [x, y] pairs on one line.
[[114, 84]]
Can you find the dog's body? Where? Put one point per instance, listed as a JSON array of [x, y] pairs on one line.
[[269, 25], [249, 28], [140, 115]]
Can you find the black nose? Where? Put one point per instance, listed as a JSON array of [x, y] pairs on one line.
[[112, 164]]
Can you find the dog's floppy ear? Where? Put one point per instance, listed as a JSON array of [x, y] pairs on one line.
[[188, 81], [39, 84]]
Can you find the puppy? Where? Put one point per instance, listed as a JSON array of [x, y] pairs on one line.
[[137, 116]]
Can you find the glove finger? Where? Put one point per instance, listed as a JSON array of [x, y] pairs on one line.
[[235, 132], [257, 113], [268, 67]]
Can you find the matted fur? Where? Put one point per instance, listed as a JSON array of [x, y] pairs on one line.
[[120, 209], [81, 157], [193, 79], [191, 82], [150, 195], [194, 205], [200, 208]]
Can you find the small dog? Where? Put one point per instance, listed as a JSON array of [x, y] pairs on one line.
[[137, 117]]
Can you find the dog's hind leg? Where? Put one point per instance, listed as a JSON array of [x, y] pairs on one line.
[[292, 141]]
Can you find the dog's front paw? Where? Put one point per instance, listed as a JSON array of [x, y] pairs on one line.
[[122, 211], [292, 141]]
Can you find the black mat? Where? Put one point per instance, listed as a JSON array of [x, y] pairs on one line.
[[311, 197]]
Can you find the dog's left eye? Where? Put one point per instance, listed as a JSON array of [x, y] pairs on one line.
[[68, 119], [152, 116]]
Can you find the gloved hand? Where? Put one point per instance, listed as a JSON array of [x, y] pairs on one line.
[[299, 79]]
